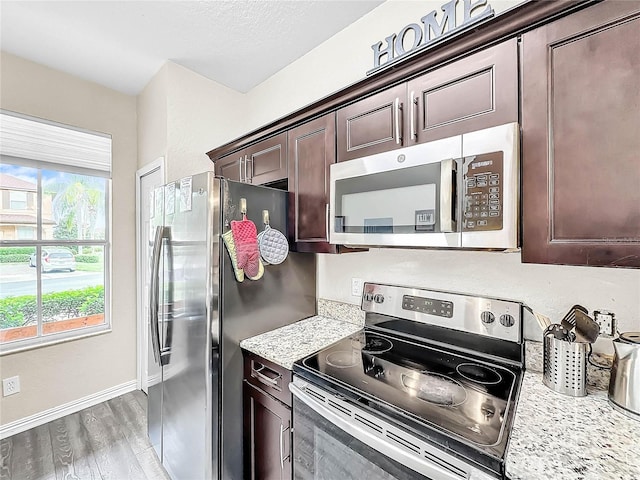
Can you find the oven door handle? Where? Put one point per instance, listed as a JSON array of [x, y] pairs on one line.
[[392, 451]]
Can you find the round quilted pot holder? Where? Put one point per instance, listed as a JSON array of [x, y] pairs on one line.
[[274, 246]]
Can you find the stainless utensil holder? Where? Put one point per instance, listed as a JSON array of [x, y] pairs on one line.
[[565, 366]]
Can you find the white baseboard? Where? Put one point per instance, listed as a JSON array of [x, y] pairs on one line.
[[60, 411]]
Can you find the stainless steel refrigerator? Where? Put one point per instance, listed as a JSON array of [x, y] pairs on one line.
[[199, 314]]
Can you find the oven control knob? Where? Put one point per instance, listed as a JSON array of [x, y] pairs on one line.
[[487, 317], [507, 320], [378, 298], [368, 297]]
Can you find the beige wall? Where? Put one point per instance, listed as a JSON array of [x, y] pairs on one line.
[[152, 119], [182, 115], [54, 375]]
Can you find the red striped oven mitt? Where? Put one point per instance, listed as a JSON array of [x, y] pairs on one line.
[[245, 236]]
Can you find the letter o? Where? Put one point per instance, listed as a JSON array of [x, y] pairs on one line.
[[417, 38]]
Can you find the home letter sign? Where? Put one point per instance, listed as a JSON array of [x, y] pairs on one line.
[[434, 27]]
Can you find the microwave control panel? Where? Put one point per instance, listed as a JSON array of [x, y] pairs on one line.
[[482, 207]]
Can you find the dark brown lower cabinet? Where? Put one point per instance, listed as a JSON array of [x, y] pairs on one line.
[[267, 420]]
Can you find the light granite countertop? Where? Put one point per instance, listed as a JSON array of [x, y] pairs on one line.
[[287, 344], [554, 436], [571, 438]]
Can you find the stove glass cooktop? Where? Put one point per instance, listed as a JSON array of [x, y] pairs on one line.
[[456, 394]]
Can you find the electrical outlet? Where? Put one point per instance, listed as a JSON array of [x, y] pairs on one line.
[[607, 322], [356, 287], [10, 386]]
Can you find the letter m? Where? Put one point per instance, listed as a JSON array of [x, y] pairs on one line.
[[433, 29]]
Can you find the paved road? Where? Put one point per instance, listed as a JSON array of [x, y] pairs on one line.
[[20, 280]]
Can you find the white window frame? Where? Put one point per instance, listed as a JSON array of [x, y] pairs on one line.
[[68, 161]]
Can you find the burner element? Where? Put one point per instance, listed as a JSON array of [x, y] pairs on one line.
[[376, 344], [479, 373], [435, 388], [342, 359]]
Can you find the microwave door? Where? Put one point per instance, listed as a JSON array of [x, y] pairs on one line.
[[402, 198], [490, 188]]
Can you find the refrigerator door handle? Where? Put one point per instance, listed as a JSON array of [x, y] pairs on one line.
[[154, 293], [154, 307]]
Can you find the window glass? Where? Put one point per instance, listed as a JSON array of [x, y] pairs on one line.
[[53, 256], [17, 215], [73, 206], [72, 287], [18, 294]]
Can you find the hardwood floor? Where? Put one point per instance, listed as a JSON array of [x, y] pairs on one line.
[[108, 441]]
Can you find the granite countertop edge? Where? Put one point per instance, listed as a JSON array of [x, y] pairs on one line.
[[597, 441], [285, 345]]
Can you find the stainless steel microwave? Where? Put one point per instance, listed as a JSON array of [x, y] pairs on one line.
[[458, 192]]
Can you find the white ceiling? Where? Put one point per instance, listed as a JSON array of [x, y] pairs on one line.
[[122, 44]]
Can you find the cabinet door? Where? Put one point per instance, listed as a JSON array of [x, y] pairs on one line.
[[267, 436], [311, 152], [230, 166], [267, 160], [581, 138], [473, 93], [372, 125]]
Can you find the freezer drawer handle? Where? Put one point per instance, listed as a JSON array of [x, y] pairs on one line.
[[256, 372]]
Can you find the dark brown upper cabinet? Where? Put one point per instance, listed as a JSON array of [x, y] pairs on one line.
[[372, 125], [476, 92], [311, 152], [262, 163], [581, 138], [231, 166]]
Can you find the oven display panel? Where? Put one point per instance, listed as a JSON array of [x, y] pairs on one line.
[[441, 308]]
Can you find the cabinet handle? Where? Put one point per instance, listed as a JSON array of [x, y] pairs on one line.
[[282, 457], [240, 166], [414, 113], [246, 179], [397, 108], [257, 373], [326, 221], [250, 177]]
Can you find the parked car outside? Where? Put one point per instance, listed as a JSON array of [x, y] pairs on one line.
[[55, 258]]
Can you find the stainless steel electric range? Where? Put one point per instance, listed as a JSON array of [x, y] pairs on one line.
[[427, 389]]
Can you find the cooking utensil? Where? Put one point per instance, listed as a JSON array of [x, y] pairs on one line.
[[624, 385], [543, 320], [569, 320], [559, 333], [273, 245], [586, 329]]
